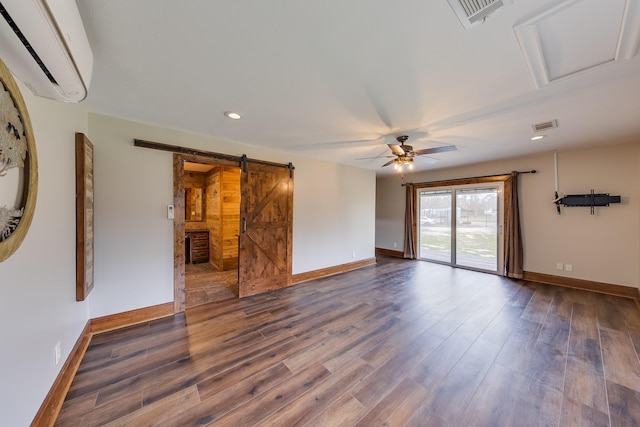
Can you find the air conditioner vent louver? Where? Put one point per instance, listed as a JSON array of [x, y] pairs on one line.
[[472, 12], [26, 44], [540, 127], [475, 7]]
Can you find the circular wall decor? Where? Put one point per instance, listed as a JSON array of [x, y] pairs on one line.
[[18, 166]]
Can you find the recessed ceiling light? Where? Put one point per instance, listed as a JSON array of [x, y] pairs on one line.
[[537, 137], [233, 115]]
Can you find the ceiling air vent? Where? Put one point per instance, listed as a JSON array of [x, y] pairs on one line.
[[541, 127], [471, 12]]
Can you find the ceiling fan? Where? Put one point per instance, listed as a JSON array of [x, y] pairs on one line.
[[404, 154]]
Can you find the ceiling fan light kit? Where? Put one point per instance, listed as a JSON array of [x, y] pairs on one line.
[[400, 162], [405, 154]]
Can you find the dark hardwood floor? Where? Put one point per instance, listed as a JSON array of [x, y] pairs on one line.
[[400, 343], [204, 284]]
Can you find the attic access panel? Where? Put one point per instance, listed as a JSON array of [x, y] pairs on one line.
[[558, 41]]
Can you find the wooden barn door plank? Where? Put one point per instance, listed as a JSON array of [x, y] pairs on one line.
[[266, 229]]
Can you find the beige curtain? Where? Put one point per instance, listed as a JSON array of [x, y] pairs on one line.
[[513, 252], [410, 223]]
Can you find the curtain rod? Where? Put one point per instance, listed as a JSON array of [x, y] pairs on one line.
[[184, 150], [466, 179]]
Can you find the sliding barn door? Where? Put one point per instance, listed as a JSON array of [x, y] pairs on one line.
[[266, 229]]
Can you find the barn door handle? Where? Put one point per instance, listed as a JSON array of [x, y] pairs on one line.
[[244, 225]]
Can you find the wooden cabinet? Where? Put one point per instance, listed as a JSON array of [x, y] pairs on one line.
[[197, 246]]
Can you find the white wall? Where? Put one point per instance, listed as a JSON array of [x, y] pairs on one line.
[[133, 237], [334, 209], [334, 215], [604, 247], [37, 283]]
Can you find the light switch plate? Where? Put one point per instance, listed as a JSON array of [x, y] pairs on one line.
[[170, 213]]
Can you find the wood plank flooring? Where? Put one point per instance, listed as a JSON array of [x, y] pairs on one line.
[[402, 343], [205, 284]]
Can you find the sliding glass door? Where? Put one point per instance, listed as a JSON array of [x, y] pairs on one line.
[[460, 226], [435, 239]]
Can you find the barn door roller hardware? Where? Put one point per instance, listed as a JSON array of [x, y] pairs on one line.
[[242, 160], [591, 200]]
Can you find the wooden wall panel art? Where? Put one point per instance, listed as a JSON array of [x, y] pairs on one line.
[[84, 217]]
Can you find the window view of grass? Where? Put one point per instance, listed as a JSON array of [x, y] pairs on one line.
[[476, 227]]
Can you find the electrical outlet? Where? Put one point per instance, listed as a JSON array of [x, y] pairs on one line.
[[57, 352], [559, 266], [395, 244], [353, 254], [568, 267]]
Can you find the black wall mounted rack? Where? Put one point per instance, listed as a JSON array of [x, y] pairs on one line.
[[590, 200]]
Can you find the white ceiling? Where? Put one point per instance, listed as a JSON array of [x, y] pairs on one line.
[[330, 79]]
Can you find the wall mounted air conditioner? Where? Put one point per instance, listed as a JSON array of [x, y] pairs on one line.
[[44, 44]]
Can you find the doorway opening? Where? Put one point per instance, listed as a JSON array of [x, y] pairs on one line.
[[462, 226], [195, 276], [212, 220]]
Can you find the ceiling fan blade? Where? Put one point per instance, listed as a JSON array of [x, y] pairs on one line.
[[396, 149], [435, 150], [335, 144], [389, 162], [378, 157], [427, 159]]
